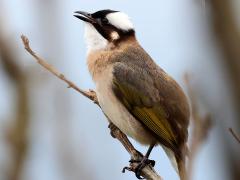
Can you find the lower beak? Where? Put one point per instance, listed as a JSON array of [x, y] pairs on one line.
[[84, 16]]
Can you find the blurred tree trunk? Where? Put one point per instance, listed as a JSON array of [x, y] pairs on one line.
[[227, 33], [226, 30], [17, 135]]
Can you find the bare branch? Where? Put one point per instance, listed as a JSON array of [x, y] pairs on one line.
[[148, 172], [89, 94], [234, 134]]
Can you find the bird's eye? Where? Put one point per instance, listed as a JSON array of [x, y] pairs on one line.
[[105, 21]]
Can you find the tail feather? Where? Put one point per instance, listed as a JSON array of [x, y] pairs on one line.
[[172, 158], [182, 169], [178, 162]]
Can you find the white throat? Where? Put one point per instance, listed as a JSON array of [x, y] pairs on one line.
[[93, 39]]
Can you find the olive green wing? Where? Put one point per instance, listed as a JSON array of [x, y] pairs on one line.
[[136, 89]]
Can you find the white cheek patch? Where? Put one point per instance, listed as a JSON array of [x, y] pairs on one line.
[[94, 39], [120, 20]]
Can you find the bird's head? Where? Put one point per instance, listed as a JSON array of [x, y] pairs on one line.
[[104, 27]]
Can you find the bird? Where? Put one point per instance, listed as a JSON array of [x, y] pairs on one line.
[[135, 93]]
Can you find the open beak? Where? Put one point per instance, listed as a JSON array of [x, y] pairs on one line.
[[87, 17], [84, 16]]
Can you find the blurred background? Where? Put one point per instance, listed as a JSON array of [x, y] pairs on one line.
[[50, 132]]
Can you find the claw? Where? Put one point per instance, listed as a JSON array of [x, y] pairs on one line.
[[138, 170], [152, 162], [127, 168], [141, 165]]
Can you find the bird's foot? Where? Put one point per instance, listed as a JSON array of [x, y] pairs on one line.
[[140, 165], [145, 161]]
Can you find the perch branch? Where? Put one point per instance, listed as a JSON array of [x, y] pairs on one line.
[[148, 172], [234, 135]]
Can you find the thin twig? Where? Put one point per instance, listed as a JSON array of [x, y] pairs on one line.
[[89, 94], [148, 172], [234, 134]]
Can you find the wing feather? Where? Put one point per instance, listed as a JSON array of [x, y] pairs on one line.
[[151, 96], [150, 113]]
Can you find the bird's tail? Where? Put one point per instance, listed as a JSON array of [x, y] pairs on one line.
[[182, 168], [178, 162], [171, 157]]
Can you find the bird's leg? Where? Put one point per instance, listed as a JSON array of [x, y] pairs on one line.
[[144, 162], [138, 161]]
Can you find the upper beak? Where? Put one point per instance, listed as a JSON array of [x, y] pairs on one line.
[[84, 16]]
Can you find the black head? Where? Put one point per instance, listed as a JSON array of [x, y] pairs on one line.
[[112, 25]]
